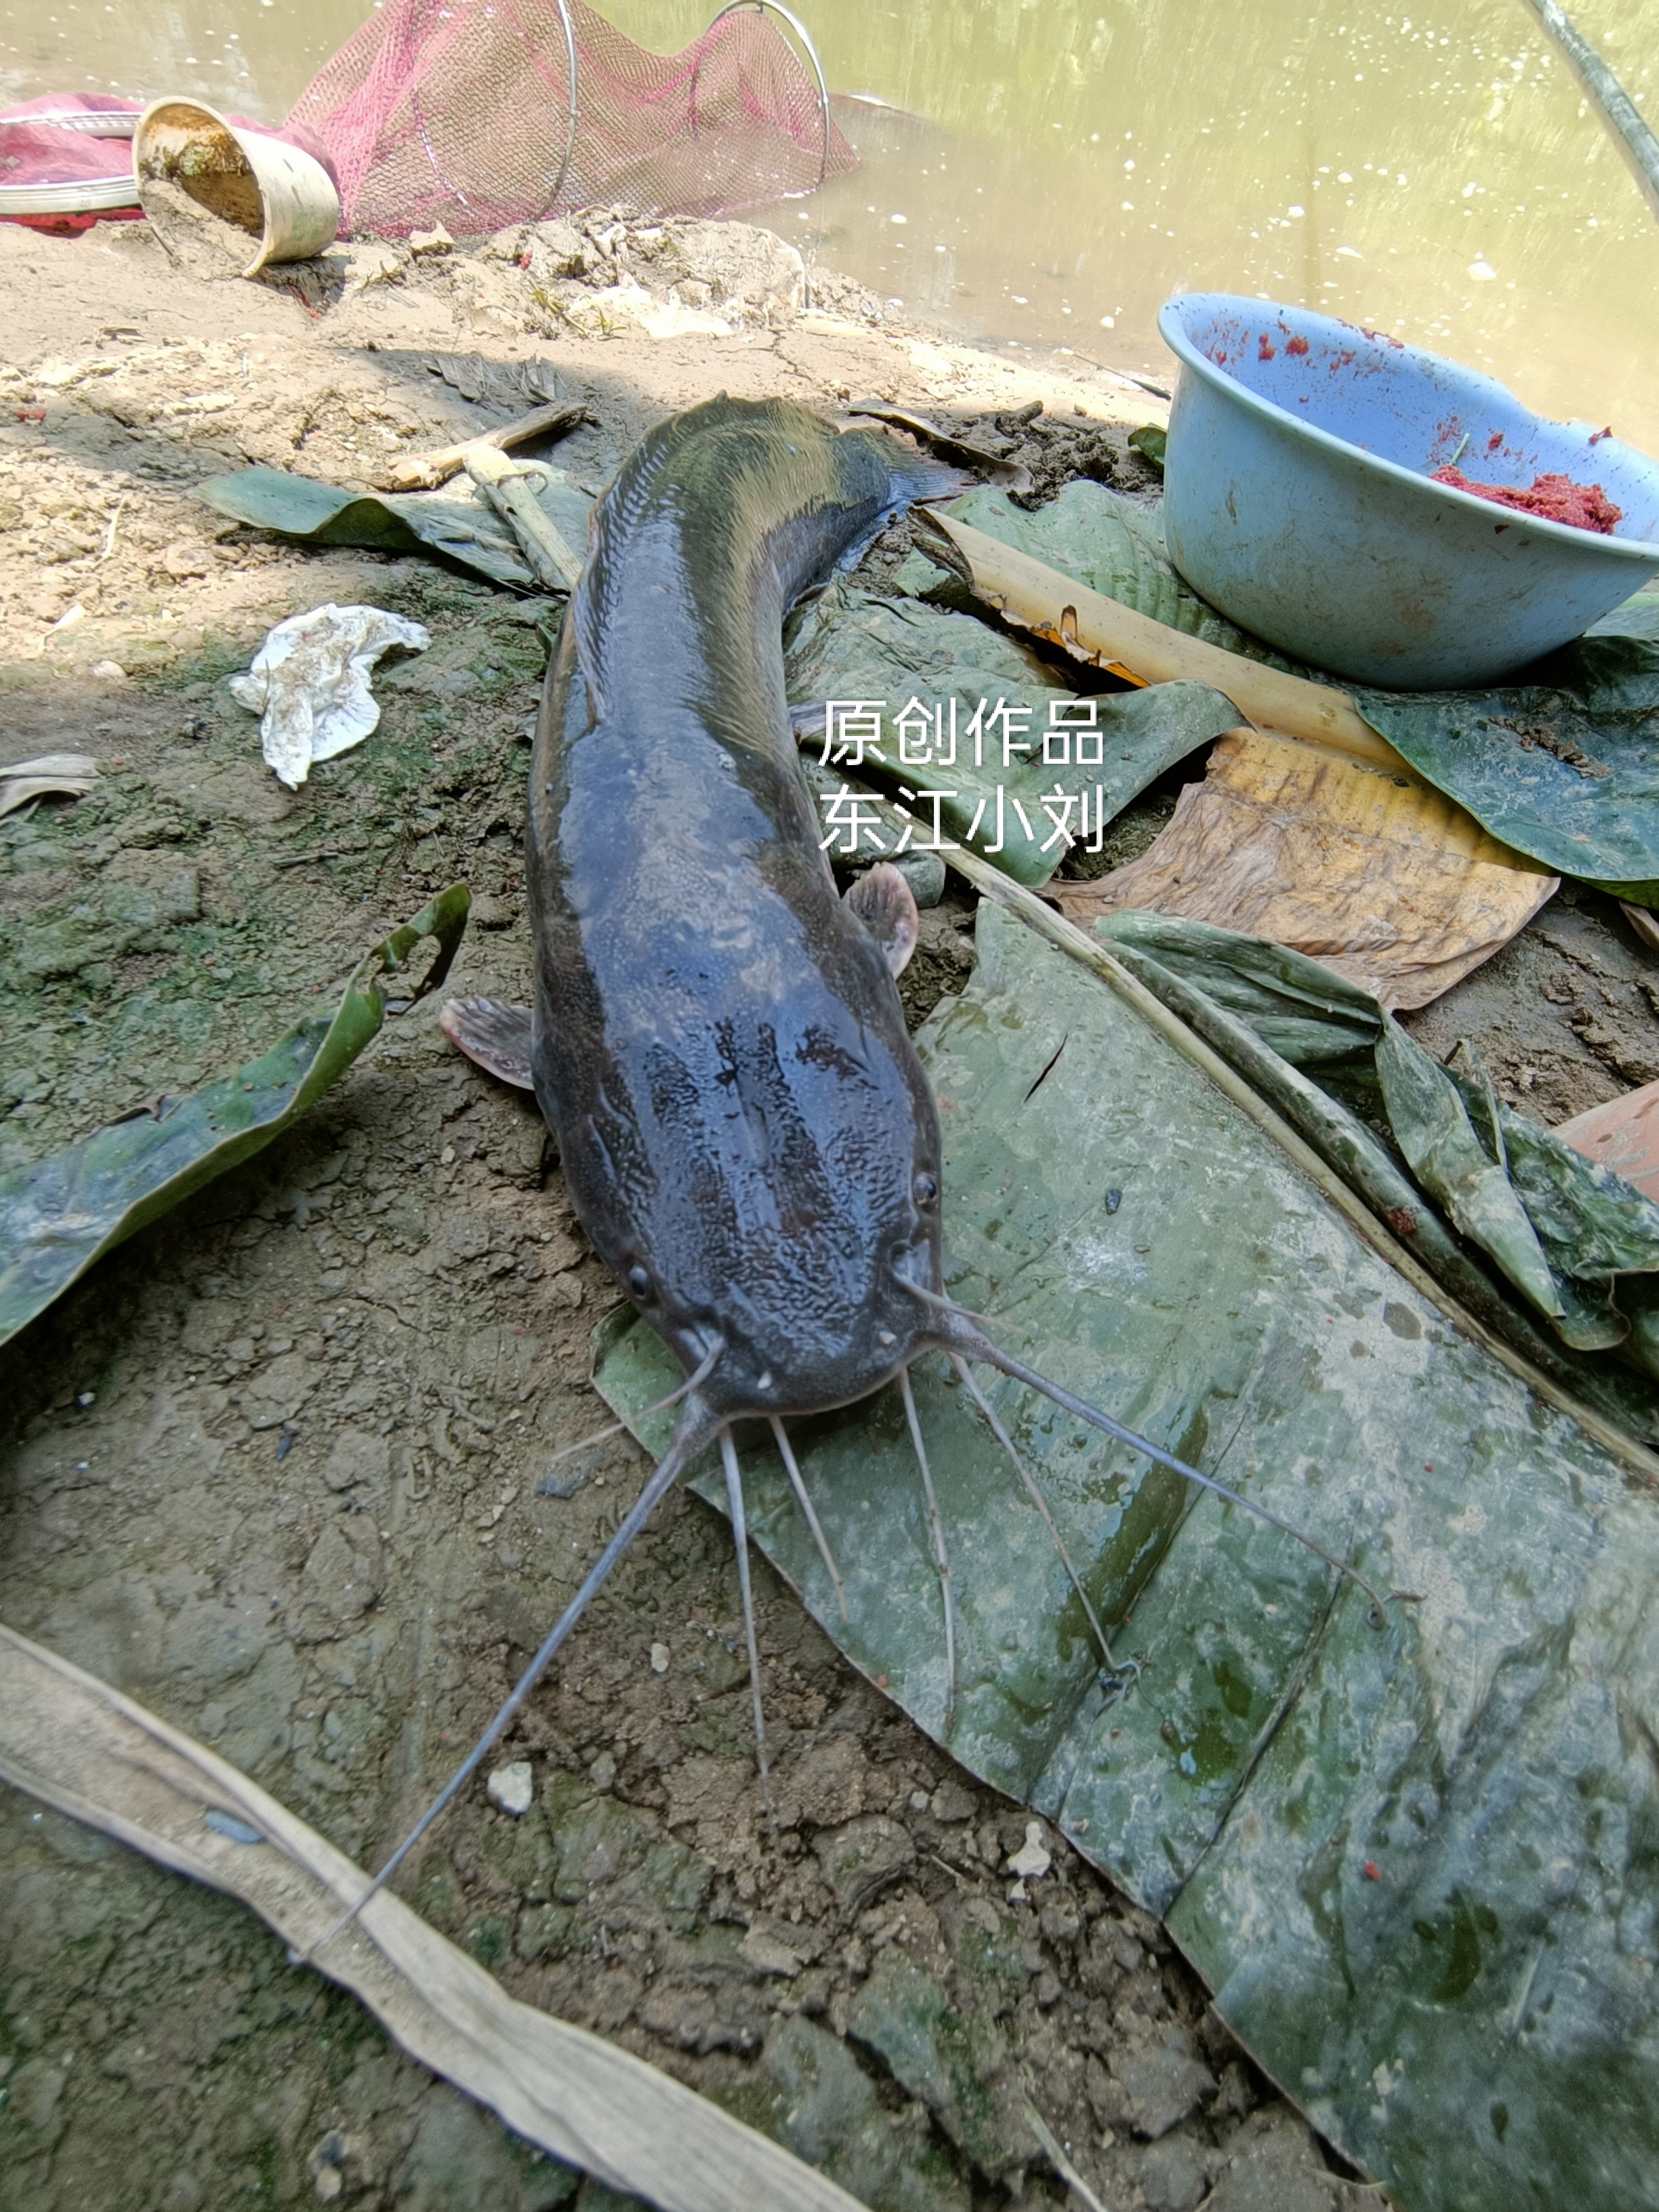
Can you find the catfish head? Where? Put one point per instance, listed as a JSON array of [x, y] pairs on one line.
[[767, 1176]]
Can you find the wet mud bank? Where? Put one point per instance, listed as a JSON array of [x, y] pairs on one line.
[[282, 1468]]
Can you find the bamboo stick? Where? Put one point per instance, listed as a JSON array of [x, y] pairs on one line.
[[78, 1744], [426, 471], [1092, 627], [1629, 126], [507, 485]]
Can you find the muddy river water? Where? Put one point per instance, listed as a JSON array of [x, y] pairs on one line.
[[1046, 172]]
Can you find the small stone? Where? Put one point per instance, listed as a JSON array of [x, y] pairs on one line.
[[829, 2115], [513, 1788], [955, 2064], [862, 1857], [109, 671], [1173, 2175], [659, 1658], [980, 1913], [327, 2160], [925, 873], [827, 1786], [343, 1577], [1033, 1859], [769, 1954], [270, 1399], [356, 1460], [951, 1803], [185, 560], [435, 240], [1158, 2084], [1273, 2166], [603, 1774], [374, 261], [34, 2092]]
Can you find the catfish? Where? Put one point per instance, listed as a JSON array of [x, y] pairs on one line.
[[717, 1039]]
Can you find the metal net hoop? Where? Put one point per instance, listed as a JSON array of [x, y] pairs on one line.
[[479, 113]]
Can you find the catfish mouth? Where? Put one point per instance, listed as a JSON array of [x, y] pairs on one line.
[[809, 1380], [767, 1368]]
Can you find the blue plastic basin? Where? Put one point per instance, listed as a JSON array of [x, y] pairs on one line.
[[1298, 499]]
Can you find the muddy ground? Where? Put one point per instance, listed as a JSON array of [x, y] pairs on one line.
[[281, 1468]]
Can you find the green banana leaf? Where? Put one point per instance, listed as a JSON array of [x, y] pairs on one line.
[[1562, 766], [1412, 1857], [1572, 1237], [1427, 1113], [852, 645], [457, 522], [61, 1214]]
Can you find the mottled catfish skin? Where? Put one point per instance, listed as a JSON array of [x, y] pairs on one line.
[[745, 1132]]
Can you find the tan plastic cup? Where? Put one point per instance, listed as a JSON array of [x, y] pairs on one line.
[[213, 189]]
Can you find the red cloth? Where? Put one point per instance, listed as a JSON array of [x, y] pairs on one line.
[[48, 155]]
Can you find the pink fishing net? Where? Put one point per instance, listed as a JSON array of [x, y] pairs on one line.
[[459, 111]]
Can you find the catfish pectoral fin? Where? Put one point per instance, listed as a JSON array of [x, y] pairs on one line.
[[886, 905], [494, 1037]]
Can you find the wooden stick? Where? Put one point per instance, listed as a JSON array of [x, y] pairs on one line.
[[1101, 631], [76, 1744], [426, 471], [506, 485]]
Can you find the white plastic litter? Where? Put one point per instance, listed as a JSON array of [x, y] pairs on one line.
[[1033, 1859], [309, 682], [513, 1788]]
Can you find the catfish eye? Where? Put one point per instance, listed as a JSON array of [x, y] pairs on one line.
[[639, 1282], [926, 1188]]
